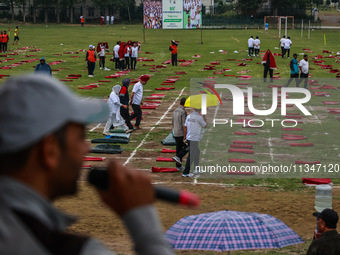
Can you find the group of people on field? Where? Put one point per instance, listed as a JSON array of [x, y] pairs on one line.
[[254, 44], [4, 39], [119, 102], [125, 55]]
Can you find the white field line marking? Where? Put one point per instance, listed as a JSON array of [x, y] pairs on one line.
[[209, 130], [316, 117], [270, 149], [152, 128], [93, 129]]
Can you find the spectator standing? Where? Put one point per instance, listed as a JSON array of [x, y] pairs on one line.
[[294, 71], [82, 20], [304, 71], [91, 60], [127, 51], [107, 20], [1, 41], [48, 136], [43, 67], [134, 55], [173, 50], [112, 19], [101, 55], [257, 43], [193, 134], [116, 55], [115, 118], [16, 35], [124, 100], [5, 42], [281, 44], [121, 55], [178, 120], [269, 65], [329, 241], [251, 46], [136, 100], [286, 46], [266, 26]]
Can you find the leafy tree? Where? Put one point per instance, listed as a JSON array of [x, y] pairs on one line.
[[248, 6]]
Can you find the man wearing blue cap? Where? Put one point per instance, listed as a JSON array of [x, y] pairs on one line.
[[43, 67], [42, 145], [329, 241]]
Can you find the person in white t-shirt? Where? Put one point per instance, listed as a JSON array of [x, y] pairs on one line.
[[136, 100], [101, 56], [281, 44], [193, 15], [116, 55], [198, 19], [251, 46], [286, 46], [257, 43], [134, 55], [304, 70]]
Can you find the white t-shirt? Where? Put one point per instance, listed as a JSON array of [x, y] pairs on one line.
[[115, 50], [251, 42], [102, 51], [257, 43], [198, 19], [282, 41], [287, 43], [194, 123], [138, 90], [304, 66], [127, 54], [134, 52], [192, 14]]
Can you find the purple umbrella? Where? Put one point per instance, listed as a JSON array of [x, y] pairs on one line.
[[230, 230]]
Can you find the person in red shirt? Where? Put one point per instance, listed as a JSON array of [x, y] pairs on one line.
[[5, 42], [121, 55], [1, 41], [91, 60], [82, 20], [173, 49]]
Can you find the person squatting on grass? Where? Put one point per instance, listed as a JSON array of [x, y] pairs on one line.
[[42, 147], [43, 67], [91, 60], [193, 134], [136, 99], [115, 118], [178, 120]]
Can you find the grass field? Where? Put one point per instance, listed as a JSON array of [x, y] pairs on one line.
[[285, 198]]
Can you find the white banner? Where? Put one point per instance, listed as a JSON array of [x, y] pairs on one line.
[[172, 14]]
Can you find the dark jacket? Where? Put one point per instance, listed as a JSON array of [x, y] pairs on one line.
[[124, 95], [327, 244], [43, 68]]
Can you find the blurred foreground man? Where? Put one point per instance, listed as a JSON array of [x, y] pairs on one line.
[[42, 143], [329, 241]]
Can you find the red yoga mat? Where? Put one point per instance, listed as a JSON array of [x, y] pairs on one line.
[[301, 144], [294, 138], [291, 129], [160, 159], [246, 151], [163, 170], [306, 162], [330, 102], [168, 151], [239, 160], [89, 158], [148, 107], [316, 181]]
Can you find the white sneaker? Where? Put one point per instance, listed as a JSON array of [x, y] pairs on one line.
[[181, 168], [100, 68], [107, 69], [187, 175], [91, 75], [177, 160]]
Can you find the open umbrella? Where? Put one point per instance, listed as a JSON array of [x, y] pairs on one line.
[[230, 230], [195, 101]]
